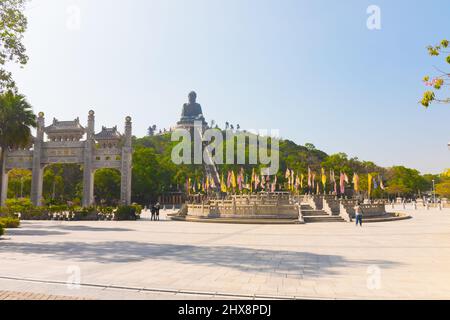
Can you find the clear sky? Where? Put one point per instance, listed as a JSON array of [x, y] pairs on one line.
[[311, 69]]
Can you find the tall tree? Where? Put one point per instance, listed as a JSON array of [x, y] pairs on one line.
[[440, 81], [13, 25], [16, 121]]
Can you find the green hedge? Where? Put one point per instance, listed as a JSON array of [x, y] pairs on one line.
[[125, 213], [69, 213], [9, 222]]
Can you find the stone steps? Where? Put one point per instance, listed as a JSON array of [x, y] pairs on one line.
[[235, 221], [313, 213], [322, 218]]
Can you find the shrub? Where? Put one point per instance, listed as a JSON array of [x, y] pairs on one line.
[[125, 213], [9, 222], [85, 214], [138, 208], [2, 231], [23, 202], [35, 213]]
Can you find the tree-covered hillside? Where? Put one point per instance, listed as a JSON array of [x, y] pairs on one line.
[[154, 173]]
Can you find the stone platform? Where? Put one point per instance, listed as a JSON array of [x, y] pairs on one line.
[[281, 208]]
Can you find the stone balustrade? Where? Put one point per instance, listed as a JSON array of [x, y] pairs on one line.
[[228, 209], [347, 211]]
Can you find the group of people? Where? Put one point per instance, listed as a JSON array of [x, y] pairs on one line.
[[154, 209]]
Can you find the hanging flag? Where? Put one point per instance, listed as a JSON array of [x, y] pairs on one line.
[[309, 177], [292, 180], [302, 177], [324, 179], [381, 183], [356, 182], [256, 181], [229, 180], [240, 180], [335, 187], [313, 180], [318, 189], [223, 186], [233, 180], [212, 183], [342, 184], [288, 173], [346, 178], [369, 182], [375, 184], [187, 186]]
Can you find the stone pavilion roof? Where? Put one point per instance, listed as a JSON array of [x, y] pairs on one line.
[[65, 126], [108, 134]]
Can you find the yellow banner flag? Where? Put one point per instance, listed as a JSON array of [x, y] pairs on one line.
[[324, 178], [356, 182], [223, 186], [233, 180], [369, 181]]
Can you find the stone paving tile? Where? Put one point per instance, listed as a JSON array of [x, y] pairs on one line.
[[11, 295]]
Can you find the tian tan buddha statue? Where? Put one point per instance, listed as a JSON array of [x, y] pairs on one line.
[[192, 111]]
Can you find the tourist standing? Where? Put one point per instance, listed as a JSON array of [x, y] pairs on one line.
[[157, 208], [358, 214], [153, 211]]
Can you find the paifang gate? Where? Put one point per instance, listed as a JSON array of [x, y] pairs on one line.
[[105, 149]]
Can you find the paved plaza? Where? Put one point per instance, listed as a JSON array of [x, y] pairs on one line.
[[407, 259]]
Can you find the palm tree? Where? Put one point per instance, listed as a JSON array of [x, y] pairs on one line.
[[16, 121]]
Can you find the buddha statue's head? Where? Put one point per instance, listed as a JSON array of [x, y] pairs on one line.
[[192, 97]]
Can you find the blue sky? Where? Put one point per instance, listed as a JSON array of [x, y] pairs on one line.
[[311, 69]]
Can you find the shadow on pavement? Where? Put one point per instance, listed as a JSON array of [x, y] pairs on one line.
[[242, 259]]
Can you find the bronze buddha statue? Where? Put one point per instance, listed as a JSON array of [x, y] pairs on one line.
[[192, 111]]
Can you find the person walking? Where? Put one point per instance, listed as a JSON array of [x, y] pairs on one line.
[[358, 214]]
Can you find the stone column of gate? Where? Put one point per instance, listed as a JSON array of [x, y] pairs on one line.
[[4, 174], [125, 183], [37, 177], [88, 171]]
